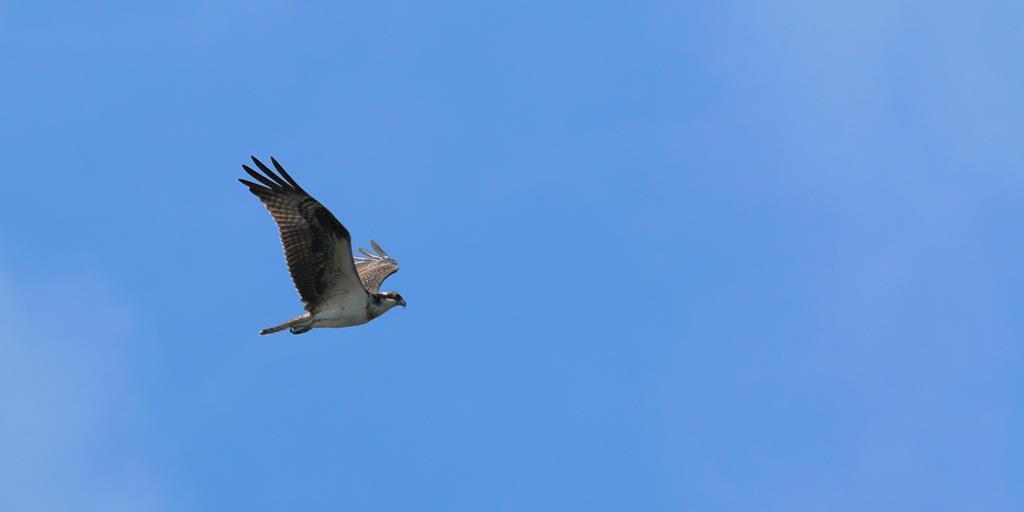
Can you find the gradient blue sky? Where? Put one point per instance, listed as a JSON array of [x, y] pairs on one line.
[[659, 256]]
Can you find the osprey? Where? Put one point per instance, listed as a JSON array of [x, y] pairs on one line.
[[338, 289]]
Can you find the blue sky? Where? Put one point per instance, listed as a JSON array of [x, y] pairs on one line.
[[658, 256]]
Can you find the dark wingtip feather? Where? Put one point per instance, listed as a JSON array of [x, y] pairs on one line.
[[270, 174], [257, 190], [261, 178], [284, 173]]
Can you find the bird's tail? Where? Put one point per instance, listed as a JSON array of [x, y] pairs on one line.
[[298, 325]]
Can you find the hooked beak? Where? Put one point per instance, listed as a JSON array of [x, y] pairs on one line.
[[402, 303]]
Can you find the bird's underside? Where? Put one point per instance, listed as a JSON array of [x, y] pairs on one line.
[[338, 289]]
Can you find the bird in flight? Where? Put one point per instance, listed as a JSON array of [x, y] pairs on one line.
[[337, 288]]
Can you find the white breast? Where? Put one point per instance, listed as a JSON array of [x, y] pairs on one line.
[[342, 311]]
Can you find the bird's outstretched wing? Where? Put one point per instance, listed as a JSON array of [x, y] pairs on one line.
[[317, 247], [375, 267]]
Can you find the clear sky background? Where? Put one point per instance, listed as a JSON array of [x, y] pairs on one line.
[[659, 256]]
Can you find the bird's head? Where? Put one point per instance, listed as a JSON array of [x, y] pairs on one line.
[[392, 298]]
